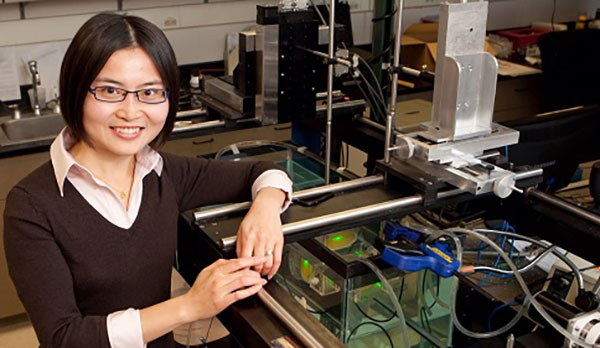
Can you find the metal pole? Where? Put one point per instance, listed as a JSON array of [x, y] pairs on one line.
[[564, 205], [308, 193], [339, 217], [329, 90], [299, 331], [365, 211], [389, 126]]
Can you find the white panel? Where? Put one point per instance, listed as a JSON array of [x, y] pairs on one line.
[[67, 7], [411, 16], [361, 5], [202, 44], [362, 27], [507, 14], [140, 4], [29, 31], [9, 12], [201, 15], [24, 52], [421, 3]]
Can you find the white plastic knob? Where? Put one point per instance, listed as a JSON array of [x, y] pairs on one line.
[[505, 185]]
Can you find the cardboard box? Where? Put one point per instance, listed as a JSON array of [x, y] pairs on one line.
[[419, 46]]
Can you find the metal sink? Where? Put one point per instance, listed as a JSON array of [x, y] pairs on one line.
[[33, 128]]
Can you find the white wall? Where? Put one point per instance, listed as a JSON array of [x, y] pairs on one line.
[[197, 28]]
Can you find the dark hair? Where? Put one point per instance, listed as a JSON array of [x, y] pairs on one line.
[[91, 47]]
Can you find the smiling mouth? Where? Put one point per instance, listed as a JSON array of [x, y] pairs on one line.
[[127, 130]]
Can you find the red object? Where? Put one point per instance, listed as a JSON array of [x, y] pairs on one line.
[[522, 37]]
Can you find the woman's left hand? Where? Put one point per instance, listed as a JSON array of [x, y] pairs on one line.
[[260, 233]]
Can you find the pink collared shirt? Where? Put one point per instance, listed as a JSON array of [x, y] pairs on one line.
[[125, 327]]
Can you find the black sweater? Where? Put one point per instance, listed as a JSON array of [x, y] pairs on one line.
[[72, 267]]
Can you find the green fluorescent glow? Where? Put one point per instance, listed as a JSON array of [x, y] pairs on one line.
[[306, 263], [358, 253], [336, 238], [378, 284]]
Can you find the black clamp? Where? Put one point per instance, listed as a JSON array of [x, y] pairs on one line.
[[396, 69], [331, 61]]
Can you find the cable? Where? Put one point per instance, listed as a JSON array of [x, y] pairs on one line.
[[496, 310], [389, 15], [565, 259], [374, 319], [375, 324], [436, 294], [521, 270], [454, 288], [495, 264], [318, 12], [376, 111], [390, 291], [381, 107], [365, 63], [529, 297]]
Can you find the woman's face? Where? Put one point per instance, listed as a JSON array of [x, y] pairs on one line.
[[124, 128]]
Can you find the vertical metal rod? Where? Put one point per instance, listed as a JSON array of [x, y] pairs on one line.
[[330, 90], [389, 126]]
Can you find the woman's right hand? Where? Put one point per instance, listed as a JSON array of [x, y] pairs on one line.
[[221, 284]]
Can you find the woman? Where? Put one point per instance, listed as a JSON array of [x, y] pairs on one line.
[[90, 236]]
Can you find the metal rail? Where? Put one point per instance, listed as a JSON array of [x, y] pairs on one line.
[[564, 205], [365, 211], [304, 194], [299, 331]]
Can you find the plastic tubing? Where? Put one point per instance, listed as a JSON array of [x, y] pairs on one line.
[[523, 285], [392, 294], [433, 293], [565, 259], [454, 290], [521, 270]]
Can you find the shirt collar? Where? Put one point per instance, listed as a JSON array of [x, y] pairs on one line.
[[62, 161]]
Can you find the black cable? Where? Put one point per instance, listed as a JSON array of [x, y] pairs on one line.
[[374, 110], [390, 45], [426, 317], [389, 15], [374, 319], [401, 290], [205, 339], [375, 324], [376, 81], [437, 291], [382, 108]]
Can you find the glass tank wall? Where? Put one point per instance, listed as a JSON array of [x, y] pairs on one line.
[[359, 310]]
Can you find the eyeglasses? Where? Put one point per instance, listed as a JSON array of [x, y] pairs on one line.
[[114, 94]]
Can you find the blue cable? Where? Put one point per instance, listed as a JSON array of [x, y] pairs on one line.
[[496, 310], [495, 266], [506, 152]]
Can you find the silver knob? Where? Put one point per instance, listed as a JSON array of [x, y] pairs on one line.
[[16, 111]]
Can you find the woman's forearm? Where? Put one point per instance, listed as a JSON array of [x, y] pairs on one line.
[[164, 317]]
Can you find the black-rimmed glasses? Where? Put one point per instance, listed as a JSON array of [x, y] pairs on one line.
[[111, 94]]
